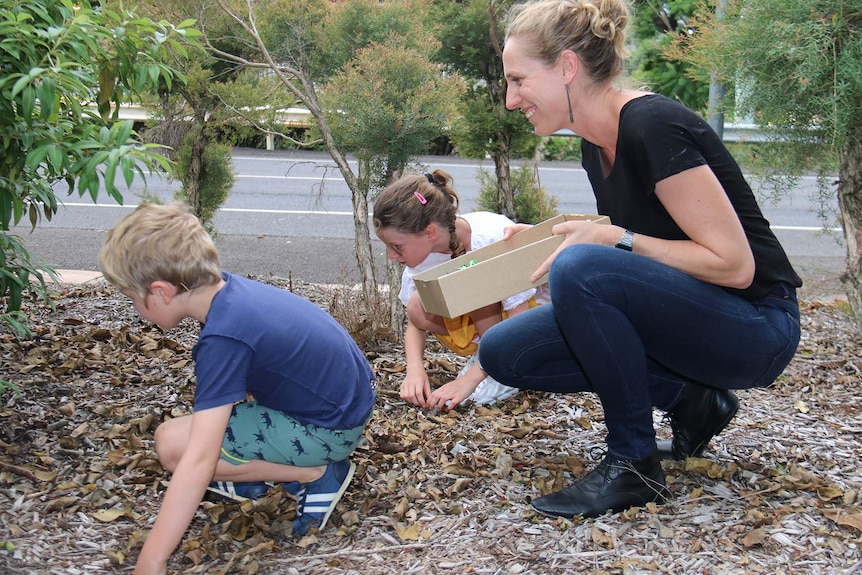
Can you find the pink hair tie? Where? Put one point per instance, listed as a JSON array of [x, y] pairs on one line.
[[421, 198]]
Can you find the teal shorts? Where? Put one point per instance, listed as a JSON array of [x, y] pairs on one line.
[[258, 432]]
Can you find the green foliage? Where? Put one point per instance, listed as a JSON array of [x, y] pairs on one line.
[[796, 64], [467, 46], [64, 65], [532, 203], [797, 69], [389, 102], [359, 24], [562, 148], [484, 127], [18, 276], [653, 28], [214, 180]]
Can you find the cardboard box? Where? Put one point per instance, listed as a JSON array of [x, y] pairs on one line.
[[501, 269]]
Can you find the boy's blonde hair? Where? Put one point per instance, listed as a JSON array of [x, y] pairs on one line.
[[156, 242]]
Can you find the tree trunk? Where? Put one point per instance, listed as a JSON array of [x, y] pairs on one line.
[[502, 150], [505, 194], [397, 315], [850, 204], [195, 174], [362, 236]]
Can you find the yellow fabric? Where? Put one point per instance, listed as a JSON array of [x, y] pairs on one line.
[[462, 332]]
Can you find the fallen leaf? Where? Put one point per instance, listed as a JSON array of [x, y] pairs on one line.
[[407, 532], [842, 518], [756, 536]]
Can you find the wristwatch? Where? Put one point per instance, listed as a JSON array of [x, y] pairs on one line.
[[625, 242]]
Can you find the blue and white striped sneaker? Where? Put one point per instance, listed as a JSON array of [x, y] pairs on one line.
[[316, 501], [239, 490]]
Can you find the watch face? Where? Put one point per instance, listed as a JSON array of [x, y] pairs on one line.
[[625, 242]]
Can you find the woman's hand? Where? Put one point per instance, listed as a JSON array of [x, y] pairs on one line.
[[578, 232], [510, 231]]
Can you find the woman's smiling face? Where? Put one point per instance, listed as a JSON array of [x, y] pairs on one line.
[[534, 87]]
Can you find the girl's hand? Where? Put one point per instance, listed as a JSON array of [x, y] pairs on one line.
[[448, 396], [416, 388]]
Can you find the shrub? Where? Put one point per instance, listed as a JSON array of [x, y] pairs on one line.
[[532, 203], [561, 149]]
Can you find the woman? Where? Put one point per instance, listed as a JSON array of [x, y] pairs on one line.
[[686, 296]]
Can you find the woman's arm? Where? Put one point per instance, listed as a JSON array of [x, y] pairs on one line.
[[718, 251]]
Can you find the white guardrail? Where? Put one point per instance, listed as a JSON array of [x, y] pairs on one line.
[[299, 118]]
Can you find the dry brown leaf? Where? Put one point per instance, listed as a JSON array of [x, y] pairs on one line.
[[757, 536], [841, 517], [407, 532], [62, 502], [108, 515]]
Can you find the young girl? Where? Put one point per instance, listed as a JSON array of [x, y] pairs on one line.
[[417, 218]]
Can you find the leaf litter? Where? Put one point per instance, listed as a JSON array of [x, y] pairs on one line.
[[777, 493]]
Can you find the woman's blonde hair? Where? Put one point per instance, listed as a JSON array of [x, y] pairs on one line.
[[156, 242], [413, 202], [593, 29]]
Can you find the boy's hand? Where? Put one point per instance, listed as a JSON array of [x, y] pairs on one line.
[[145, 566]]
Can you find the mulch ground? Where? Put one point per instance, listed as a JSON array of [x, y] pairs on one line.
[[778, 492]]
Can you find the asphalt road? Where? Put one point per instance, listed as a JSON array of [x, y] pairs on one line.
[[290, 216]]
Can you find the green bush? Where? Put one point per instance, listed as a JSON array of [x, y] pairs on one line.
[[215, 180], [532, 203], [561, 149]]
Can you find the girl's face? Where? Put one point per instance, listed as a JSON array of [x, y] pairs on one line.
[[534, 87], [407, 249]]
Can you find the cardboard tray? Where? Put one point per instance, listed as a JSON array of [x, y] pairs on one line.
[[501, 269]]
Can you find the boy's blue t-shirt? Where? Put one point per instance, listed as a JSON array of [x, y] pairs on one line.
[[284, 350]]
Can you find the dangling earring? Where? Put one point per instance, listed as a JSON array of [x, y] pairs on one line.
[[569, 100]]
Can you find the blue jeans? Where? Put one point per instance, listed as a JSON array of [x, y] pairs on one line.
[[635, 332]]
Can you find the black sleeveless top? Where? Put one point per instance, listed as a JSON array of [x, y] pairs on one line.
[[659, 138]]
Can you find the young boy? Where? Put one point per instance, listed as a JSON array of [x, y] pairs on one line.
[[282, 391]]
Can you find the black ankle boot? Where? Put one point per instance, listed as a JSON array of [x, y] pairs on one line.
[[701, 414], [614, 485]]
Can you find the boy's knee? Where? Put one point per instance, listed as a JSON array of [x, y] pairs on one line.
[[168, 450]]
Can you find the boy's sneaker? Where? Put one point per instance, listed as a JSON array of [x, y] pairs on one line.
[[239, 490], [489, 390], [316, 501]]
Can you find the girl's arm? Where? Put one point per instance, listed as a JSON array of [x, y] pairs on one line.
[[185, 490], [415, 388]]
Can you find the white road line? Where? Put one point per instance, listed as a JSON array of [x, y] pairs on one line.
[[325, 213]]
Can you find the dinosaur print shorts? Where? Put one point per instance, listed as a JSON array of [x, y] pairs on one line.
[[258, 432]]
